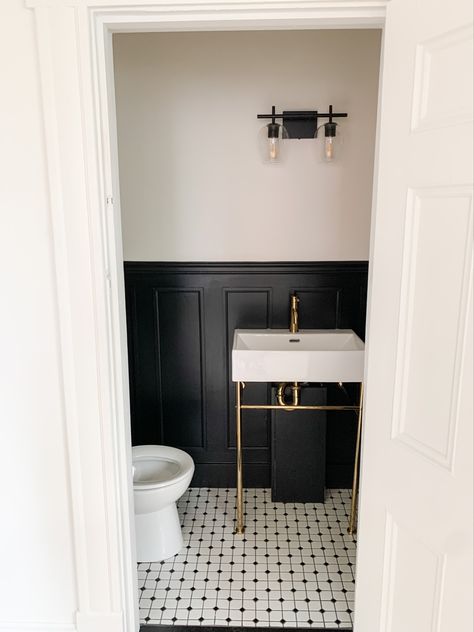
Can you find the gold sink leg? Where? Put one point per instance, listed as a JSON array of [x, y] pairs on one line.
[[240, 528], [355, 481]]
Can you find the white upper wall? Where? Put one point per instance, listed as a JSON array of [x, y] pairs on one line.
[[193, 187]]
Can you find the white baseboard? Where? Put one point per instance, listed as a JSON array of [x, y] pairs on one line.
[[85, 622], [30, 626], [100, 622]]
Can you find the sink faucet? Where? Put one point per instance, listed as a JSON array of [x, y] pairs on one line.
[[294, 313]]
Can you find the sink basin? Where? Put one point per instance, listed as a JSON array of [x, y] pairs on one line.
[[311, 355]]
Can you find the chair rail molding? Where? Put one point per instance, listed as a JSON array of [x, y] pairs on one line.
[[74, 48]]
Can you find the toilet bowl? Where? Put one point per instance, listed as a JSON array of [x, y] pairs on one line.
[[161, 475]]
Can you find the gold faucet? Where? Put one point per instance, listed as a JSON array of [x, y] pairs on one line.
[[295, 387], [294, 314]]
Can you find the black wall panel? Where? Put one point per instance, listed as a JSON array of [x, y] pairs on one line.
[[181, 318], [180, 348], [248, 306]]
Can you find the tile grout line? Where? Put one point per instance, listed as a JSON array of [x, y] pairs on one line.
[[308, 599], [279, 542]]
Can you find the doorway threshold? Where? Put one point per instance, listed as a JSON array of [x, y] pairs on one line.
[[200, 628]]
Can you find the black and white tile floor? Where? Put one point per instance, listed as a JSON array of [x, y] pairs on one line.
[[293, 568]]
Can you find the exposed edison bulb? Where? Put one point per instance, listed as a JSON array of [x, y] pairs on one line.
[[270, 143], [329, 148], [273, 149]]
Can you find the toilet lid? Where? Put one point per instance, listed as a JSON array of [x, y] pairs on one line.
[[153, 470]]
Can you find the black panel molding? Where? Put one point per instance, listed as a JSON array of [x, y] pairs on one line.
[[180, 360], [180, 322]]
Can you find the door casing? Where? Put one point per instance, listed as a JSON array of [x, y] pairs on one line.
[[76, 74]]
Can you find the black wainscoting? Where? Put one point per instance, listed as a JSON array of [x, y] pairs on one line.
[[180, 320]]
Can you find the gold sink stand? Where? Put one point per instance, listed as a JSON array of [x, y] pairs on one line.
[[239, 407]]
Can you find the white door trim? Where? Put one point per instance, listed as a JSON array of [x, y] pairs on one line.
[[76, 74]]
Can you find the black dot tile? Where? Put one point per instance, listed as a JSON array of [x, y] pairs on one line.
[[303, 551]]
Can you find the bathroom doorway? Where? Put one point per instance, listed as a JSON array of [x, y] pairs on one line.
[[417, 145], [205, 232]]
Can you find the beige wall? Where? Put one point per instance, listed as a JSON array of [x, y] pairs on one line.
[[193, 187]]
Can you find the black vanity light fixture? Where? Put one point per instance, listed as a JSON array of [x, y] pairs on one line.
[[299, 124]]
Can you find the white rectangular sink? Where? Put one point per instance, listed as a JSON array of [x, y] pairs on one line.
[[311, 355]]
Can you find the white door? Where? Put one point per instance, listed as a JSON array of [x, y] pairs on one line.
[[415, 532]]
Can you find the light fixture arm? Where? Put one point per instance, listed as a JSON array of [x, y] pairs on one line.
[[303, 124]]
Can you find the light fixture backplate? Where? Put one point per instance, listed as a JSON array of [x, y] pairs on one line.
[[302, 127]]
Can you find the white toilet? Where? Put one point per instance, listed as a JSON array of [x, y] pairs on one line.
[[161, 475]]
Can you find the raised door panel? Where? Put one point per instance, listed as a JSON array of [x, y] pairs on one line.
[[413, 581], [435, 286], [443, 80]]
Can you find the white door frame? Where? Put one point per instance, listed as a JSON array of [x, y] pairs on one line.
[[76, 81]]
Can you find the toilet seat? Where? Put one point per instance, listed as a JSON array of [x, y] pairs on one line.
[[157, 466]]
